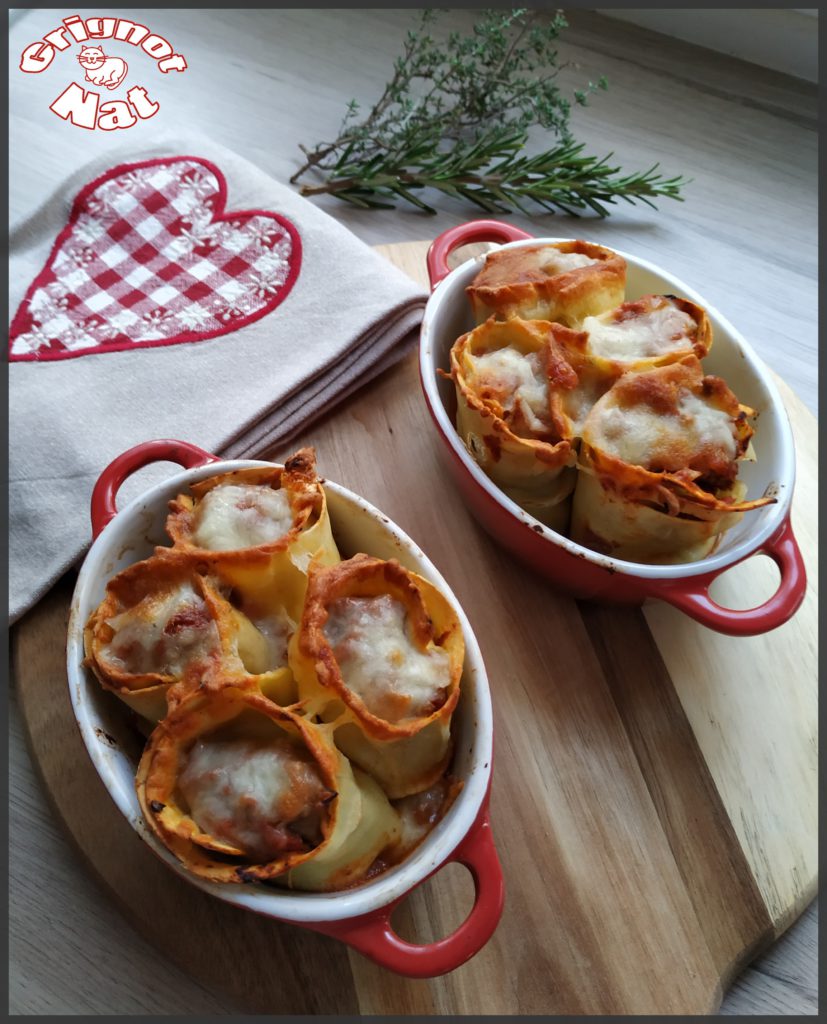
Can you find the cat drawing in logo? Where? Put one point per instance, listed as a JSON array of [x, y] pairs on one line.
[[100, 69]]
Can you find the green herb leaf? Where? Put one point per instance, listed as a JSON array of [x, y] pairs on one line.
[[455, 117]]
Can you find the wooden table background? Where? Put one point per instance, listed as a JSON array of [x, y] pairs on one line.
[[261, 82]]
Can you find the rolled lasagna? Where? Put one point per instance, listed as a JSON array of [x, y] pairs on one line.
[[379, 654], [659, 464], [242, 790], [260, 527], [514, 385], [161, 627], [563, 282]]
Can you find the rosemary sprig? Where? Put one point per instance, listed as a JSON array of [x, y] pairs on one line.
[[456, 117]]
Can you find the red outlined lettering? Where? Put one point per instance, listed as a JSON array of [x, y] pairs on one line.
[[76, 26], [144, 106], [130, 32], [36, 58], [57, 39], [100, 28], [78, 106], [115, 114], [157, 47], [86, 109], [174, 63]]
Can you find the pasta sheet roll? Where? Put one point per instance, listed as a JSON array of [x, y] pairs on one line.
[[259, 527], [265, 630], [242, 790], [563, 282], [658, 466], [379, 653], [161, 627], [509, 378]]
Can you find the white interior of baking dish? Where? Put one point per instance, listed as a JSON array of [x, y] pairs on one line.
[[448, 315], [114, 745]]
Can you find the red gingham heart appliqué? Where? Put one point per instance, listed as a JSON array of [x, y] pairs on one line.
[[149, 257]]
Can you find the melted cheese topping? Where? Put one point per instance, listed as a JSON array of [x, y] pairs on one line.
[[648, 328], [552, 261], [380, 663], [235, 516], [262, 797], [163, 634], [518, 382], [643, 437]]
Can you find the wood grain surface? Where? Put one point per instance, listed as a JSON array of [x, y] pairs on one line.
[[641, 855]]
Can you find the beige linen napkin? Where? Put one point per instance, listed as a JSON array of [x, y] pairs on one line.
[[163, 307]]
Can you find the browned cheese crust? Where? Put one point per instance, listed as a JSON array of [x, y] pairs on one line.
[[680, 328], [658, 471], [150, 580], [164, 808], [707, 470], [523, 282], [298, 479], [365, 576]]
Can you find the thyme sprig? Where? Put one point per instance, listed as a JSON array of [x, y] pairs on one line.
[[456, 117]]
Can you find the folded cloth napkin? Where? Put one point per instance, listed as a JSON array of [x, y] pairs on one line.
[[180, 292]]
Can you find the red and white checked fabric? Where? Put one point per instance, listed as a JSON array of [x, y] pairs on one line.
[[149, 257]]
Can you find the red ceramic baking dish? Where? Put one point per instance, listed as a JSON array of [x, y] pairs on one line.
[[359, 916], [577, 570]]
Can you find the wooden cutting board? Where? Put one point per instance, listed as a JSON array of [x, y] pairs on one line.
[[654, 796]]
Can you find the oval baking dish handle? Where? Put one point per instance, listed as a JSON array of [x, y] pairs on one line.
[[374, 937], [692, 595], [109, 482], [474, 231]]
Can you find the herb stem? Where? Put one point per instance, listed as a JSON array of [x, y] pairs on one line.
[[455, 117]]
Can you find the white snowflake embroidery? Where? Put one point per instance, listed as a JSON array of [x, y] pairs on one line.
[[157, 319], [103, 330], [183, 245], [81, 256], [220, 233], [48, 308], [199, 214], [131, 181], [31, 341], [104, 196], [263, 232], [200, 234], [232, 309], [74, 337], [232, 236], [99, 208], [88, 230], [74, 277], [124, 321], [48, 302], [272, 264], [193, 317], [195, 181], [262, 285]]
